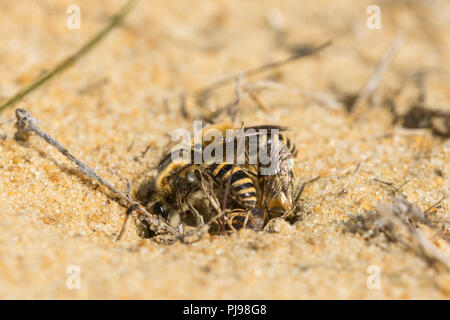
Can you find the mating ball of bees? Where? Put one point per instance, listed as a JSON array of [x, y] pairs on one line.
[[229, 178]]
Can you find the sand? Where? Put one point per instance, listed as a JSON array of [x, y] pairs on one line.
[[124, 97]]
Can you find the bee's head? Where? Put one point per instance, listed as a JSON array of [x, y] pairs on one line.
[[278, 203], [161, 209]]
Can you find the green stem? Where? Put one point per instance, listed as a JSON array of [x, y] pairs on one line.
[[116, 19]]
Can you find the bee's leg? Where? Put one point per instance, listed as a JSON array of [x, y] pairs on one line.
[[180, 204], [268, 209], [300, 189], [230, 221], [177, 215], [197, 216], [250, 219], [246, 218]]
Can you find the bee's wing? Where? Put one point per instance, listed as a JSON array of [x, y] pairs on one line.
[[268, 127], [255, 131], [167, 159], [261, 130], [179, 170], [234, 141], [272, 187]]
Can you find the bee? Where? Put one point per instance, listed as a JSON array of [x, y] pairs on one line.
[[275, 185], [277, 189], [255, 197]]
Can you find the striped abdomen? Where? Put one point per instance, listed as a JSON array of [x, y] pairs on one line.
[[289, 145], [253, 219], [284, 142], [242, 188]]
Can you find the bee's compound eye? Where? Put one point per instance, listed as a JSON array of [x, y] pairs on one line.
[[192, 178], [159, 209]]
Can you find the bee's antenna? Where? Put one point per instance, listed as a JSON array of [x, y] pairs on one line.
[[268, 209]]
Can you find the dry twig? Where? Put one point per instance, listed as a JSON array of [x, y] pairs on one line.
[[25, 124], [204, 93], [395, 190], [264, 107], [374, 81], [402, 214], [398, 223], [183, 109], [303, 187], [250, 88], [435, 205], [321, 98]]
